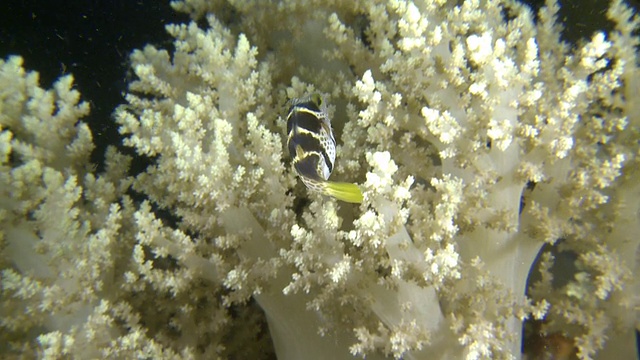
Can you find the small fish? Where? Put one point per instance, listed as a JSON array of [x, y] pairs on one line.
[[313, 148]]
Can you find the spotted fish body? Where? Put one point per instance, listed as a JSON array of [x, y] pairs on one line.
[[313, 148]]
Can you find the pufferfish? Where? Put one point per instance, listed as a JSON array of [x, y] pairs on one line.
[[313, 148]]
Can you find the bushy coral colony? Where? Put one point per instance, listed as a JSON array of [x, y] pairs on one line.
[[475, 135]]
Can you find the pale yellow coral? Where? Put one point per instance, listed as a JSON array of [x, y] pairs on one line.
[[475, 141]]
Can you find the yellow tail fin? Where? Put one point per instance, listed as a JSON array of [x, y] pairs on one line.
[[343, 191]]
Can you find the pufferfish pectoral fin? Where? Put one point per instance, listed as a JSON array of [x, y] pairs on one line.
[[347, 192]]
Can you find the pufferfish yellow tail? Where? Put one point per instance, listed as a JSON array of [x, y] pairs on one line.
[[344, 191], [313, 148]]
